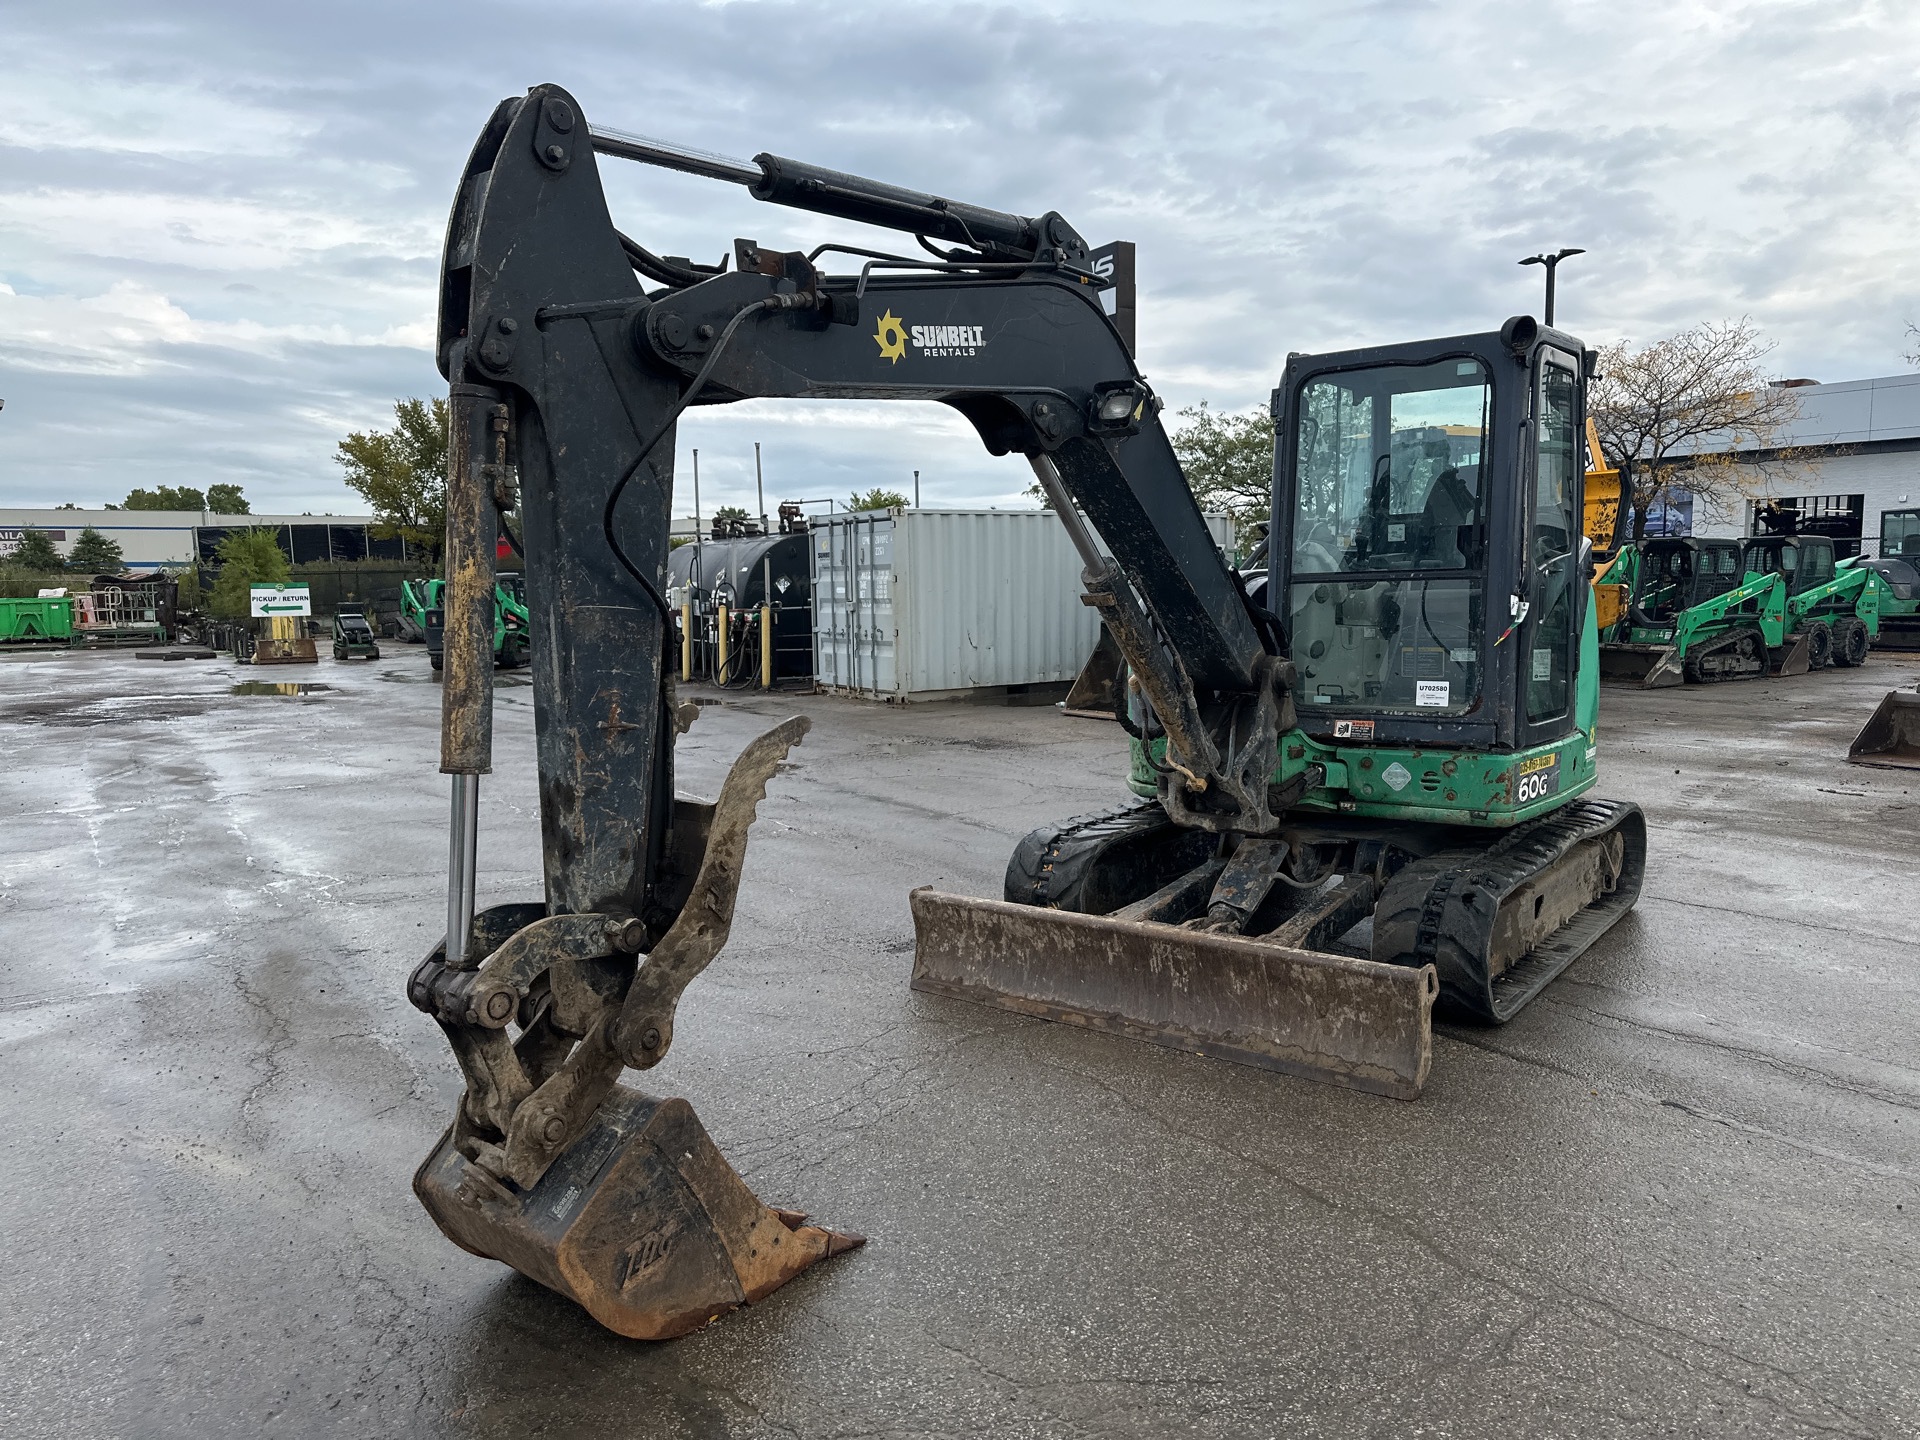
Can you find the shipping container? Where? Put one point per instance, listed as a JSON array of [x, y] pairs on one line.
[[913, 605]]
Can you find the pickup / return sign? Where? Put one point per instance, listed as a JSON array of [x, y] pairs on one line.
[[282, 600]]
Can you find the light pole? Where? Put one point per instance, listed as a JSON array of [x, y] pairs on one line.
[[916, 489], [1552, 262]]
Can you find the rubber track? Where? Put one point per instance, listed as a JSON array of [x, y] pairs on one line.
[[1518, 856], [1697, 676], [1039, 872]]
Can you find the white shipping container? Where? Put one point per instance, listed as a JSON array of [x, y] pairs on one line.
[[932, 604]]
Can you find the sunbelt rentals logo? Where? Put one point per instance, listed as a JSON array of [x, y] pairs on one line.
[[893, 335]]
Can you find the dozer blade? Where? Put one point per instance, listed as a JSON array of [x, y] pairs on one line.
[[640, 1220], [1352, 1022], [1892, 737], [1651, 667]]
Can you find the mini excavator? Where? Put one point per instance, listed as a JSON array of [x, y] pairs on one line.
[[1362, 774]]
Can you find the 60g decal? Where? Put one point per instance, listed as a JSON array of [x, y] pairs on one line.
[[1536, 778]]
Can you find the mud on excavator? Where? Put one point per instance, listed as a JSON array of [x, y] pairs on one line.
[[1364, 778]]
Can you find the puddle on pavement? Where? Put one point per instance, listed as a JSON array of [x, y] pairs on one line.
[[268, 687]]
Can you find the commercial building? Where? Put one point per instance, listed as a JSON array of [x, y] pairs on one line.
[[1849, 458], [149, 539]]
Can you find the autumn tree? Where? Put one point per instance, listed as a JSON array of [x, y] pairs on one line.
[[94, 554], [1674, 414], [402, 473]]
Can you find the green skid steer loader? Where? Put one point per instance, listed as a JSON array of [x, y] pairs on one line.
[[1693, 613]]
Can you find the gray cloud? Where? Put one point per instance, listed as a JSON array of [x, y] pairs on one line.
[[219, 227]]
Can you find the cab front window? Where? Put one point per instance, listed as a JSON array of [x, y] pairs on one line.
[[1388, 537]]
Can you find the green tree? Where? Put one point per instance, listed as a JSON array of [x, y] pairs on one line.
[[402, 473], [35, 553], [227, 500], [164, 497], [247, 558], [877, 499], [94, 554], [1228, 460]]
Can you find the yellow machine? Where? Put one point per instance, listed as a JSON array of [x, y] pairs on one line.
[[1606, 522]]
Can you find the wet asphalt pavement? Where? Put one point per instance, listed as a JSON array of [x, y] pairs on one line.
[[1679, 1195]]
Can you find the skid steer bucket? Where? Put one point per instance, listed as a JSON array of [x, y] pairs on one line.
[[1353, 1022], [1651, 667], [1794, 657], [1892, 737], [1093, 695]]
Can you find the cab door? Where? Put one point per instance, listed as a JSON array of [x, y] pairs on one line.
[[1549, 636]]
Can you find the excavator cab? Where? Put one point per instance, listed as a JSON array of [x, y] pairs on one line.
[[1391, 481]]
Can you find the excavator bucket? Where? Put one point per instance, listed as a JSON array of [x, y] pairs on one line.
[[640, 1220], [1651, 667], [1328, 1017], [1892, 737]]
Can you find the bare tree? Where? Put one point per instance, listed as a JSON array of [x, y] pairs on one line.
[[1674, 415]]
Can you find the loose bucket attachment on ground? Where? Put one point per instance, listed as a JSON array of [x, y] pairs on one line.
[[1651, 667], [640, 1220], [1892, 737], [1352, 1022]]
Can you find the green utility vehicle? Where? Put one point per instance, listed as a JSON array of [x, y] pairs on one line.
[[1898, 566], [1693, 612], [511, 623], [1836, 608], [417, 597], [353, 637]]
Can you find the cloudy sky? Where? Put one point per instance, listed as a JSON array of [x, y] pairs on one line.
[[220, 224]]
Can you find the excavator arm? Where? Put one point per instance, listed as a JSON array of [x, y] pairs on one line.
[[567, 376]]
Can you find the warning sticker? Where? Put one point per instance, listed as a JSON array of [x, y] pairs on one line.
[[1543, 664], [1433, 692], [1353, 730], [1396, 775], [1535, 778]]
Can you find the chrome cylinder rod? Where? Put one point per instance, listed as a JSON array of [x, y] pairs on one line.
[[1048, 474], [463, 846], [665, 153]]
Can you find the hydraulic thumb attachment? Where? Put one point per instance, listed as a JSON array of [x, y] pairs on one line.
[[616, 1199]]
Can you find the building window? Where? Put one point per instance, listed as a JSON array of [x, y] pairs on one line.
[[1838, 516]]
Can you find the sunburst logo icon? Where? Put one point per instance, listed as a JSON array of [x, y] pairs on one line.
[[891, 337]]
